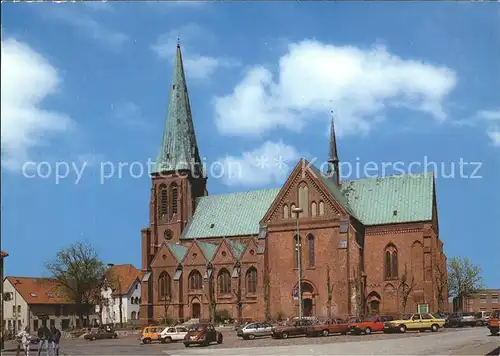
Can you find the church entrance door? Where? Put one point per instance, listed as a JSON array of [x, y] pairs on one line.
[[195, 310], [308, 307]]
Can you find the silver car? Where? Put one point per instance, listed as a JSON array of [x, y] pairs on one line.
[[253, 330]]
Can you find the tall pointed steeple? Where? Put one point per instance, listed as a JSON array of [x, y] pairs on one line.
[[333, 158], [179, 150]]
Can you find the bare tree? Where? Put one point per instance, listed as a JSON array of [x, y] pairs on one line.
[[442, 285], [464, 278], [78, 272], [329, 291], [406, 284]]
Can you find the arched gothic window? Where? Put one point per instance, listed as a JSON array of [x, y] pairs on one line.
[[286, 213], [195, 280], [173, 199], [304, 200], [314, 209], [310, 250], [321, 208], [224, 281], [251, 280], [391, 262], [162, 201], [164, 286]]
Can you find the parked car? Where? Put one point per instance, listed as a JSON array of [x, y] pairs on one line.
[[461, 320], [253, 330], [296, 328], [173, 333], [151, 334], [327, 327], [101, 334], [202, 334], [371, 324], [494, 323], [416, 321], [482, 318]]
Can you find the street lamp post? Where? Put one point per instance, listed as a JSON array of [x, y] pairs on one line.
[[239, 304], [211, 293], [297, 211]]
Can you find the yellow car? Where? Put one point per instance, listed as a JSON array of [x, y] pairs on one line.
[[420, 322], [151, 334]]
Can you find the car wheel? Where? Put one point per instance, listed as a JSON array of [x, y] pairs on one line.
[[187, 345], [167, 340], [219, 339], [146, 341], [284, 335], [251, 337], [325, 333], [92, 338], [368, 331], [402, 329], [434, 328]]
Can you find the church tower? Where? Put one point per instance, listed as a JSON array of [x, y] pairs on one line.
[[177, 175], [333, 158]]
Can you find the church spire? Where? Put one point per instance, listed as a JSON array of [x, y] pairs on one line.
[[179, 150], [333, 158]]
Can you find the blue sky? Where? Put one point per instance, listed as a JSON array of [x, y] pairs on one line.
[[88, 84]]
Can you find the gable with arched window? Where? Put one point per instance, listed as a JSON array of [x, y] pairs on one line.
[[224, 281], [311, 253], [164, 286], [174, 194], [162, 201], [195, 280], [321, 208], [391, 261], [251, 280]]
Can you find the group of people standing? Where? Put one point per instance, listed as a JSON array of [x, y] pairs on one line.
[[48, 339]]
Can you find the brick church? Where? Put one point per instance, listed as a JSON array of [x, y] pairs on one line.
[[365, 245]]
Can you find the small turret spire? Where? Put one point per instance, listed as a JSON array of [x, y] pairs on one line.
[[333, 158]]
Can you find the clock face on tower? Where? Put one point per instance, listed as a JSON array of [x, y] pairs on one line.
[[168, 234]]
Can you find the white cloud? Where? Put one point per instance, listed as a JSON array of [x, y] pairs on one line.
[[494, 135], [493, 118], [27, 79], [269, 163], [87, 26], [197, 66], [490, 115], [315, 78]]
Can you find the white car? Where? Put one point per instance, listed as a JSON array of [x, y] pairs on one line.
[[173, 333]]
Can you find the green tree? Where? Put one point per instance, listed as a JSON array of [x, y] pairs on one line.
[[464, 278], [79, 273]]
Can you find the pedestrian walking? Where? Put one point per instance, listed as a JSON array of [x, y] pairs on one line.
[[25, 339], [45, 337], [56, 337]]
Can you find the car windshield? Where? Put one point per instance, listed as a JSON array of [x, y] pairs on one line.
[[196, 327], [406, 316], [371, 318], [478, 315]]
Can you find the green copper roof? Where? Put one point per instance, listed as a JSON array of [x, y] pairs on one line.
[[178, 250], [376, 200], [179, 150], [236, 214], [372, 201], [237, 247], [208, 249]]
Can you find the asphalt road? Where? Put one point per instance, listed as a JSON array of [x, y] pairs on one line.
[[473, 341]]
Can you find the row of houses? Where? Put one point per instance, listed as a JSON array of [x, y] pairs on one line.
[[34, 301]]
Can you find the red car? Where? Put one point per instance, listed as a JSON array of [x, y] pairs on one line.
[[371, 324]]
